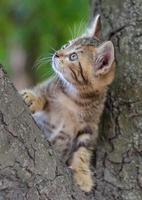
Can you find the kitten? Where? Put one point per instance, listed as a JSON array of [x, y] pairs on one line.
[[68, 106]]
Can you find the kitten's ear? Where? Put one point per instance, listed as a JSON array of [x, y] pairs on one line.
[[104, 58], [95, 28]]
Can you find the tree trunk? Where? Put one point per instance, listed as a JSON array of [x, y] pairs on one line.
[[29, 169], [119, 155]]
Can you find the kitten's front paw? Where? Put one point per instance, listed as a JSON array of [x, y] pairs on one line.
[[34, 102], [84, 180]]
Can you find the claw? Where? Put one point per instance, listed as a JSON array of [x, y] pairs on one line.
[[34, 102]]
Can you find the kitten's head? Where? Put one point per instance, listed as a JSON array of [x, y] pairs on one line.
[[86, 60]]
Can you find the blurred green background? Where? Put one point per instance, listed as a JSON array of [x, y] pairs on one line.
[[30, 30]]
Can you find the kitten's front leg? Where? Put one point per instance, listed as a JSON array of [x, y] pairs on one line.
[[81, 167], [34, 101]]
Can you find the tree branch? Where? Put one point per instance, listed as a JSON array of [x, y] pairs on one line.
[[29, 168]]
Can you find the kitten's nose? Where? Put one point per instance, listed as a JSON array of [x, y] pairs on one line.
[[56, 55]]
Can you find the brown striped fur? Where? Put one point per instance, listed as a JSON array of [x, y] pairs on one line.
[[68, 106]]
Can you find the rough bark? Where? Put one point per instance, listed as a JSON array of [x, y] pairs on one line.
[[29, 169], [119, 156]]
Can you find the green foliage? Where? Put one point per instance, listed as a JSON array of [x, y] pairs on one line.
[[39, 26]]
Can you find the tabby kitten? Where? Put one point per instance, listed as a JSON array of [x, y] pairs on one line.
[[68, 106]]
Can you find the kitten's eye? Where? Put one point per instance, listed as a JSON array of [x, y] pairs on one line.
[[73, 56]]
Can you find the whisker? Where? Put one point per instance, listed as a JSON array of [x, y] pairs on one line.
[[74, 31], [77, 29], [39, 64], [52, 49], [71, 32], [81, 24], [47, 75]]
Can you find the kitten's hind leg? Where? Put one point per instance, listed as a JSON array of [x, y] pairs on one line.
[[80, 164]]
